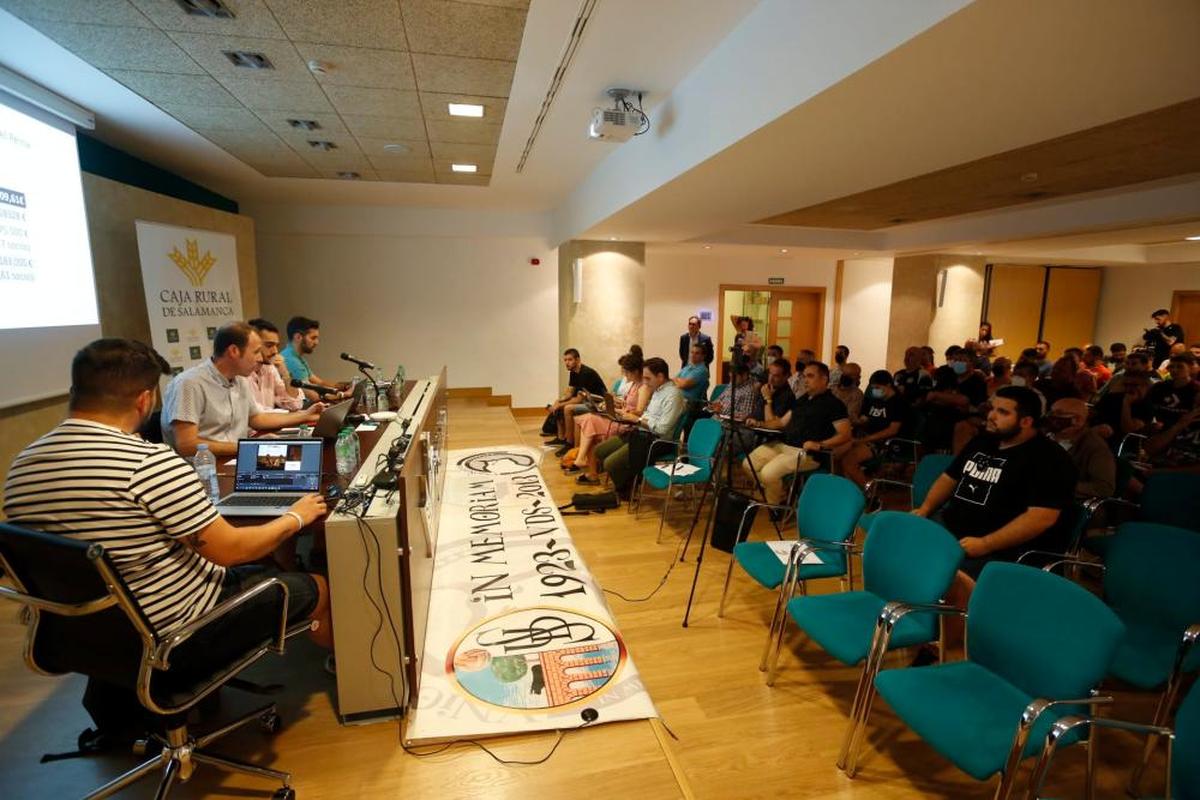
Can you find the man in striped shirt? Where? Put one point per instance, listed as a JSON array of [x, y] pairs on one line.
[[95, 479]]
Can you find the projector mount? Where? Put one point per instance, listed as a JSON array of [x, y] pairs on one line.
[[621, 102]]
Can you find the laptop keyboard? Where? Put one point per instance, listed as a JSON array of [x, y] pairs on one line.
[[265, 500]]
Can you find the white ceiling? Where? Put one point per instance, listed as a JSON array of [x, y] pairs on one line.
[[640, 44]]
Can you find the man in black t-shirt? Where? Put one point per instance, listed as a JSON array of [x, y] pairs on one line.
[[912, 383], [816, 423], [884, 410], [1173, 398], [1007, 491], [776, 392], [581, 380], [1164, 334]]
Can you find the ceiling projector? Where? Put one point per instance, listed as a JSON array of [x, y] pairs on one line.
[[621, 122]]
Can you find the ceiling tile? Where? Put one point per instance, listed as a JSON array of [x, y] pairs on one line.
[[361, 66], [455, 74], [369, 126], [463, 179], [251, 18], [504, 3], [470, 153], [110, 47], [338, 162], [361, 23], [209, 52], [213, 118], [298, 170], [347, 150], [461, 29], [96, 12], [300, 96], [262, 142], [464, 132], [374, 102], [417, 149], [163, 89], [365, 174], [423, 174], [277, 120], [437, 107]]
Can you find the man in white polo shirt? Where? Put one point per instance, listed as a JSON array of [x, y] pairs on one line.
[[212, 403]]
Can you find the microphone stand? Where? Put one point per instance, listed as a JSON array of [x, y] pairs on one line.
[[724, 450]]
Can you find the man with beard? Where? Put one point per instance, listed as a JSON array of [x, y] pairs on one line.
[[1006, 492], [304, 335]]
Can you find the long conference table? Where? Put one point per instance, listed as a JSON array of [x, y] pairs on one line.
[[379, 553]]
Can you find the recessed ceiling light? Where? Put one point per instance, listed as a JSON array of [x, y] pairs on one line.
[[248, 59], [465, 110], [396, 148], [463, 167], [708, 247], [612, 238], [1193, 238], [349, 176], [783, 249]]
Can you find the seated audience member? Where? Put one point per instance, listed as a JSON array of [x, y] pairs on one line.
[[912, 383], [773, 352], [1194, 351], [978, 360], [927, 359], [596, 428], [797, 380], [1075, 354], [841, 354], [1000, 375], [1173, 398], [817, 423], [1066, 380], [747, 401], [1126, 410], [884, 412], [958, 392], [213, 403], [846, 390], [1117, 351], [143, 504], [304, 335], [1004, 494], [692, 380], [1093, 363], [1164, 367], [776, 392], [582, 380], [659, 419], [271, 382], [1042, 359], [694, 338], [1177, 447], [1096, 468]]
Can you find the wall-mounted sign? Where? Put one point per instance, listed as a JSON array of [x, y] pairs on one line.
[[775, 281], [705, 314]]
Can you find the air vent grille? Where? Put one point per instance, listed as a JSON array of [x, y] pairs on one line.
[[320, 144], [249, 60], [213, 9], [304, 124]]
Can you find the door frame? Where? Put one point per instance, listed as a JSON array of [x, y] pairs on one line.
[[757, 287]]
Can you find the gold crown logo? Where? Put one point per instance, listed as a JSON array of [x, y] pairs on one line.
[[192, 265]]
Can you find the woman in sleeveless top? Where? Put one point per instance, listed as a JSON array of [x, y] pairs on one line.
[[595, 428]]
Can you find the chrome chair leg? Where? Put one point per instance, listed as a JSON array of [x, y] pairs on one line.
[[170, 774], [855, 705], [779, 603], [241, 766], [725, 588], [1161, 713], [245, 719], [665, 509], [129, 778], [859, 724]]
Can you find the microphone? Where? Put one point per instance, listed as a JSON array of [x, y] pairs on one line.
[[358, 361], [312, 387]]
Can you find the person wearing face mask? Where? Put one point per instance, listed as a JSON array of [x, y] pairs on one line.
[[841, 354], [796, 382], [846, 389], [1067, 424], [884, 411]]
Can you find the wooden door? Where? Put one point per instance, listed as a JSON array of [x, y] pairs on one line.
[[1072, 295], [1185, 309], [1014, 307], [795, 322]]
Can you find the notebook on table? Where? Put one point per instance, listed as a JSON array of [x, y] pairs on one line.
[[272, 474]]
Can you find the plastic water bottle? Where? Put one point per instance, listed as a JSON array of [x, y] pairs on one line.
[[205, 464], [345, 451], [396, 388]]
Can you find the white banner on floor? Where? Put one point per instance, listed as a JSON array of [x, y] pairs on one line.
[[191, 282], [520, 638]]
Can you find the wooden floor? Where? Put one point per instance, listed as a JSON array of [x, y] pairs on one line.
[[737, 738]]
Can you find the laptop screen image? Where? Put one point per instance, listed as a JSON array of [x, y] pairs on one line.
[[278, 465]]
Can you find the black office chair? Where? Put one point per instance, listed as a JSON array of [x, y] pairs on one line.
[[83, 618]]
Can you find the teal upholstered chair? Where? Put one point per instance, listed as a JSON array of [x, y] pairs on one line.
[[826, 514], [1168, 498], [1038, 645], [927, 471], [717, 391], [1183, 747], [701, 451], [1150, 581], [906, 559], [662, 450]]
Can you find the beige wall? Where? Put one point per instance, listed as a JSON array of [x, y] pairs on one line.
[[112, 208], [916, 317], [610, 318], [1128, 294]]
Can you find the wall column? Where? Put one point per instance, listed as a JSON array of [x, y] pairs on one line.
[[610, 316]]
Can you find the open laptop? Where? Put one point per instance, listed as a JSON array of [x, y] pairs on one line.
[[603, 403], [272, 474], [332, 419]]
